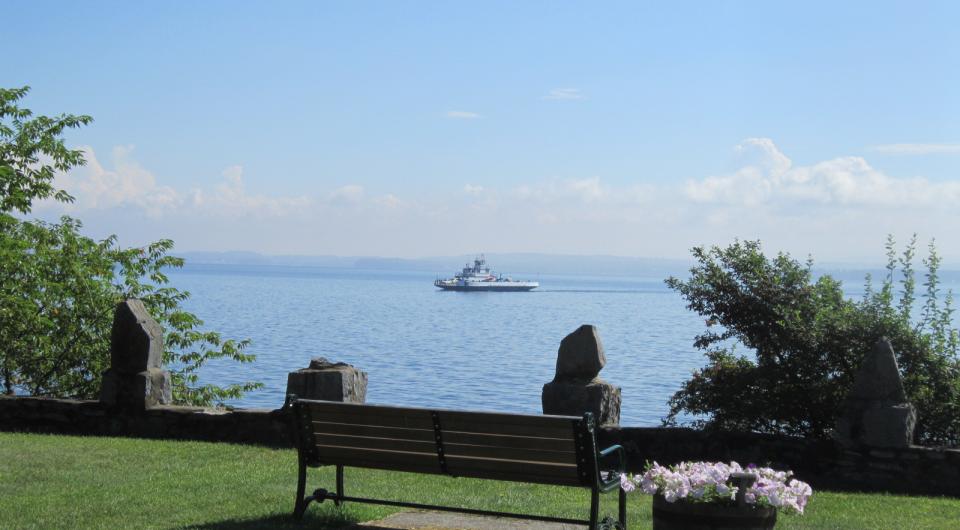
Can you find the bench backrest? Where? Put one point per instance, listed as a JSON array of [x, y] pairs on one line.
[[516, 447]]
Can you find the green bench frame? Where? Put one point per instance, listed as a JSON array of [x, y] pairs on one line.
[[555, 450]]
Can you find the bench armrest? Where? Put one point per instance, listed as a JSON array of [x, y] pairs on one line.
[[613, 478]]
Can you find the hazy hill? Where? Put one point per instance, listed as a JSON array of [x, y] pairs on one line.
[[513, 264]]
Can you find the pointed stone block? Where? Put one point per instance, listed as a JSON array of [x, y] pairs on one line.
[[576, 387], [876, 411], [878, 378], [581, 354], [136, 340]]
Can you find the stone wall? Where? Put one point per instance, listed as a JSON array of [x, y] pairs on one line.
[[823, 463], [62, 416]]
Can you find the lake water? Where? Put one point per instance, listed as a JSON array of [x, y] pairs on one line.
[[424, 347]]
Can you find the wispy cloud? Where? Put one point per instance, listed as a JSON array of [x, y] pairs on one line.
[[916, 149], [564, 94], [768, 178], [389, 201], [351, 193], [97, 186], [462, 115], [230, 198]]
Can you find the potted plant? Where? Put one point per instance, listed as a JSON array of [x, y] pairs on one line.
[[714, 495]]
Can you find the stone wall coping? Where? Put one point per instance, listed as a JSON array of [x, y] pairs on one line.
[[44, 399], [206, 411]]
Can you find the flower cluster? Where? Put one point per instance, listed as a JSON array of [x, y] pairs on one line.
[[710, 482]]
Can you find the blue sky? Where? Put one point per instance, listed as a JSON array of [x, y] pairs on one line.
[[421, 128]]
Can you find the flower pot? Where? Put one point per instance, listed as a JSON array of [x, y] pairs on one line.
[[683, 515]]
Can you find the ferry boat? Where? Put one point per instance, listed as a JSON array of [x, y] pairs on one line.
[[477, 277]]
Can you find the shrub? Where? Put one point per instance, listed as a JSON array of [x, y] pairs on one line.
[[782, 346]]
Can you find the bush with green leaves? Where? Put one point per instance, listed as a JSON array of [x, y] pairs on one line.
[[782, 346], [59, 288]]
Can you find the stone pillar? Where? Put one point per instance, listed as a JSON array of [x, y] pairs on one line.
[[876, 411], [328, 381], [577, 388], [135, 380]]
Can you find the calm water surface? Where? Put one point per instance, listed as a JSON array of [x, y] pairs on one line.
[[424, 347]]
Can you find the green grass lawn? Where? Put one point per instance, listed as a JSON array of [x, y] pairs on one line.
[[80, 482]]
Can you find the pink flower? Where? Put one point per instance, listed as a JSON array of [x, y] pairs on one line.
[[709, 482]]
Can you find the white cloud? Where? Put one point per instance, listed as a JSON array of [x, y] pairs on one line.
[[462, 115], [767, 178], [389, 201], [470, 189], [351, 193], [588, 189], [559, 190], [916, 149], [126, 183], [230, 198], [564, 94]]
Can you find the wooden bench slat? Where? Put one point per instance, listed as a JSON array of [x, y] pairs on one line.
[[357, 408], [512, 477], [367, 430], [500, 418], [513, 470], [388, 466], [395, 460], [454, 420], [451, 449], [387, 410], [408, 419], [370, 442], [508, 453], [516, 442], [538, 430], [518, 467], [550, 481]]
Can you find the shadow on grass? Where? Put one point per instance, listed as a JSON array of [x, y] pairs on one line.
[[325, 521]]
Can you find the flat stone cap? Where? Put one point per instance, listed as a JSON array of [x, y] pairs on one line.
[[321, 363]]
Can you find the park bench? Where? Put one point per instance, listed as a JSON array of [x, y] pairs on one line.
[[556, 450]]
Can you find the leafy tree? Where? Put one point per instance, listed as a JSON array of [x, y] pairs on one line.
[[58, 288], [804, 341], [24, 141]]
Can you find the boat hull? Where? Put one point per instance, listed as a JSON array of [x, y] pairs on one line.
[[488, 288]]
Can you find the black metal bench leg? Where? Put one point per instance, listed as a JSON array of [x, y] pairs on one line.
[[594, 507], [301, 505], [337, 501], [622, 508]]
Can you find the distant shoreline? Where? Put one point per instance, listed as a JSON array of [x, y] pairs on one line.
[[524, 264]]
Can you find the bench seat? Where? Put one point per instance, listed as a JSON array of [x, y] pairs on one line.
[[555, 450]]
